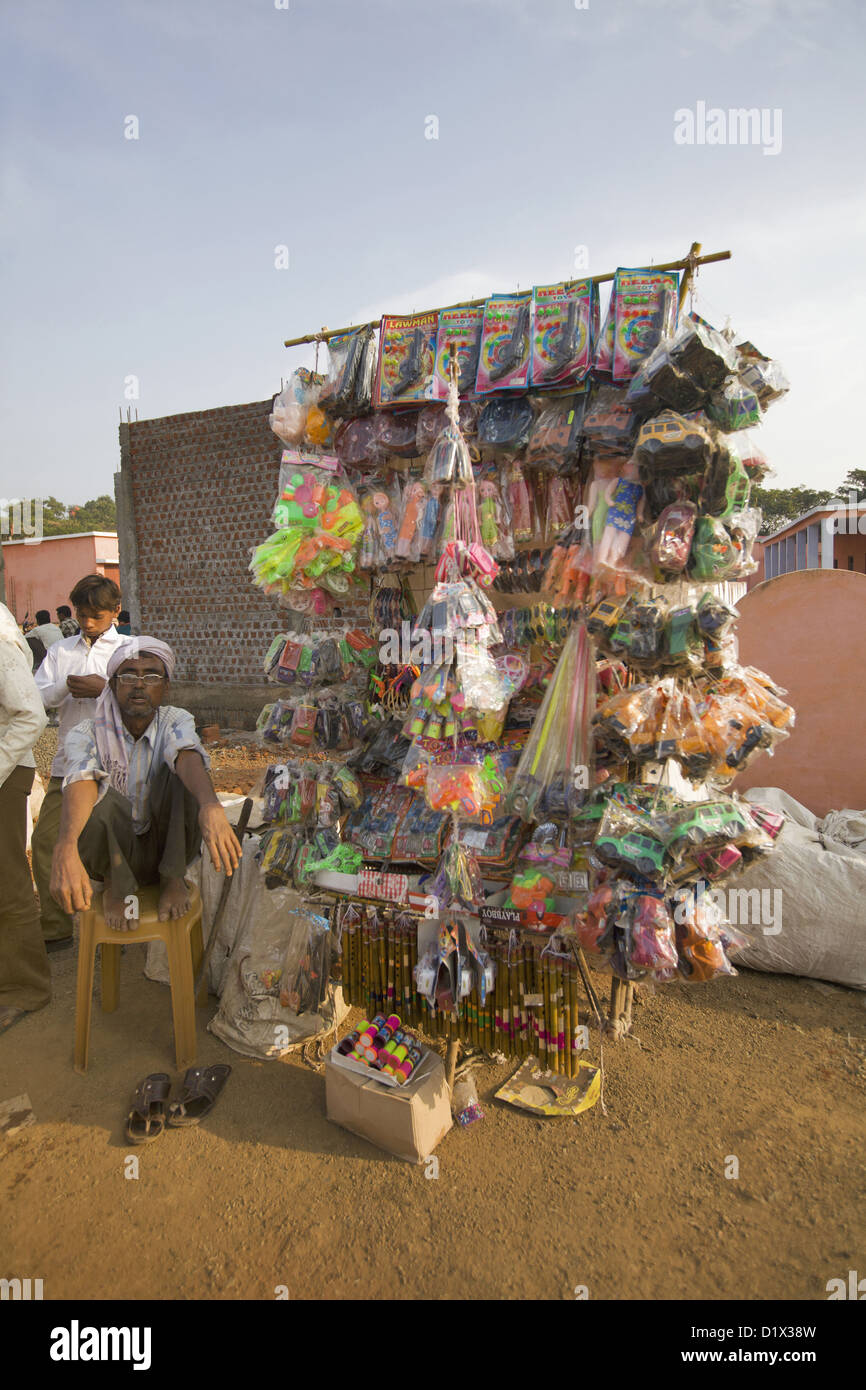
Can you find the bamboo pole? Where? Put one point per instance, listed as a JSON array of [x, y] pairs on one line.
[[325, 334]]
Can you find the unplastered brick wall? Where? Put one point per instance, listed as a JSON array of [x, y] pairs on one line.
[[203, 487]]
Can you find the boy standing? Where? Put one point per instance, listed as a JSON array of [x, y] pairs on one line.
[[71, 678]]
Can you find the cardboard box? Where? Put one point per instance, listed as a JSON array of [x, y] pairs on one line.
[[407, 1121]]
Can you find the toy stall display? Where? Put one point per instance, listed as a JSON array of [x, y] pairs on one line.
[[524, 756]]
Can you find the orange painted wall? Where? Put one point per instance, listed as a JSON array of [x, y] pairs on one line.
[[808, 631], [40, 575]]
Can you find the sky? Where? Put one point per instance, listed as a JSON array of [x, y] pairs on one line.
[[151, 264]]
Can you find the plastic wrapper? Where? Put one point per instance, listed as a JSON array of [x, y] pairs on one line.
[[556, 508], [319, 523], [714, 553], [395, 433], [318, 428], [609, 423], [651, 938], [307, 964], [628, 723], [743, 528], [448, 460], [602, 357], [629, 842], [432, 420], [659, 382], [470, 791], [457, 881], [751, 456], [726, 483], [554, 772], [505, 424], [702, 825], [701, 353], [409, 535], [760, 374], [554, 441], [504, 355], [348, 385], [734, 406], [380, 508], [564, 318], [493, 519], [671, 541], [289, 414], [673, 443], [354, 442], [698, 923]]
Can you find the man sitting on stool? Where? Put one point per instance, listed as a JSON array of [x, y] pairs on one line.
[[137, 797]]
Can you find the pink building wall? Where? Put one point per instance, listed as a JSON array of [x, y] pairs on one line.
[[39, 574], [807, 630]]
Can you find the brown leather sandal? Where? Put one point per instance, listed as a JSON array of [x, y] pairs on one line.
[[146, 1119], [201, 1087]]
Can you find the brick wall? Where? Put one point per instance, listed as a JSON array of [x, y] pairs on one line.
[[203, 486]]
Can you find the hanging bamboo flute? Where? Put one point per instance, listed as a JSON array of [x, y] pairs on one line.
[[389, 943]]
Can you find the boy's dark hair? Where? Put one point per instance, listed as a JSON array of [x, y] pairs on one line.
[[42, 616], [64, 611], [123, 615], [96, 592]]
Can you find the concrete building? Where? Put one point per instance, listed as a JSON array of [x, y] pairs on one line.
[[40, 572], [829, 537]]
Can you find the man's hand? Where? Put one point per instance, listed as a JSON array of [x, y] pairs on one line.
[[225, 852], [70, 885], [85, 687]]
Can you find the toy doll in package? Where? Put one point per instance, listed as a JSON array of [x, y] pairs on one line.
[[459, 332], [407, 351], [564, 318], [645, 311], [503, 362]]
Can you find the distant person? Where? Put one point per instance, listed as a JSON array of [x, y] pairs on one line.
[[123, 626], [70, 679], [137, 797], [65, 621], [45, 630], [25, 978]]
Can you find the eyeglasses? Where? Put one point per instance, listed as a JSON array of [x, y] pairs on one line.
[[128, 679]]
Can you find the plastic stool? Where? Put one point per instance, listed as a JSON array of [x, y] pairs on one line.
[[183, 942]]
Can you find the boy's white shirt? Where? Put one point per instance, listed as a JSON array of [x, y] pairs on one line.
[[72, 657]]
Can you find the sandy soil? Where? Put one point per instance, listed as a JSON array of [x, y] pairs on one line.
[[631, 1204]]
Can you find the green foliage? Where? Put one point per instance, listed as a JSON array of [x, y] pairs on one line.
[[781, 505], [99, 514]]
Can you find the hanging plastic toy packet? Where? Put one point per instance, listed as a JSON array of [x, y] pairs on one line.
[[288, 418], [503, 362], [564, 317], [345, 356], [645, 308], [460, 330], [407, 352]]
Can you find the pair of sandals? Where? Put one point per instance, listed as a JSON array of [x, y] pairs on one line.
[[150, 1114], [523, 574]]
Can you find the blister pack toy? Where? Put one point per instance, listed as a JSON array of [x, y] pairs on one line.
[[673, 443], [407, 351], [645, 311], [503, 361], [564, 318], [671, 540], [459, 334]]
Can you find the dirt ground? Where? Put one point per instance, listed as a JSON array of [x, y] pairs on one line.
[[631, 1204]]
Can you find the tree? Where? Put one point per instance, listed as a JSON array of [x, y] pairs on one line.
[[854, 481], [782, 505], [99, 514]]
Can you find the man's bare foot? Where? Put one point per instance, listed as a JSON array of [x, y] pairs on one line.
[[173, 900], [115, 913]]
